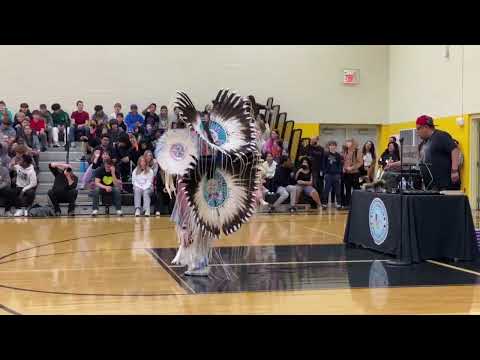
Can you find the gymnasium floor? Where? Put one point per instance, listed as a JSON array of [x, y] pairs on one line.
[[281, 264]]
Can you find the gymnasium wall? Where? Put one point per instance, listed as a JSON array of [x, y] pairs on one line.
[[305, 80], [422, 80]]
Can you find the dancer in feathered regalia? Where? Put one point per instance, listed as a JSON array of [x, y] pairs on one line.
[[215, 162]]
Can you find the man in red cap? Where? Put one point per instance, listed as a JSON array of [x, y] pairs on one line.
[[439, 152]]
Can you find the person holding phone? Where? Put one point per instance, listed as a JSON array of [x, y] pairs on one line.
[[64, 188]]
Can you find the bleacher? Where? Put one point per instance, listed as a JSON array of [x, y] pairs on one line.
[[276, 120]]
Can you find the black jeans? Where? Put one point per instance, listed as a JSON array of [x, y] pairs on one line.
[[24, 200], [318, 183], [332, 182], [8, 196], [61, 197], [351, 183]]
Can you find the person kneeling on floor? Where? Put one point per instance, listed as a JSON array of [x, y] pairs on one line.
[[106, 181], [64, 187], [26, 183]]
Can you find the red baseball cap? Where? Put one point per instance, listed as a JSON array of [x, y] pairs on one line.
[[424, 120]]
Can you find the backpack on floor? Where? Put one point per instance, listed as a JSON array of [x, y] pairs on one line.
[[41, 211]]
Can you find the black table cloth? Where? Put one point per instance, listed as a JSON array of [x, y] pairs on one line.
[[418, 227]]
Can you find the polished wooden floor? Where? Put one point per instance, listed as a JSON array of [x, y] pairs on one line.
[[102, 266]]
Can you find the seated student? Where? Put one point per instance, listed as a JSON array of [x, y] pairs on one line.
[[284, 184], [332, 165], [106, 181], [304, 181], [114, 132], [105, 144], [96, 161], [269, 167], [164, 123], [29, 139], [24, 109], [117, 108], [121, 123], [79, 124], [40, 127], [133, 118], [5, 113], [99, 115], [61, 121], [6, 129], [47, 116], [64, 187], [7, 194], [142, 179], [26, 184], [122, 157], [19, 120], [151, 116]]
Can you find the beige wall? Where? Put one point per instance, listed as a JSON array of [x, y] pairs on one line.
[[305, 80], [423, 81]]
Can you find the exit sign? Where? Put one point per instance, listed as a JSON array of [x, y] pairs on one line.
[[351, 76]]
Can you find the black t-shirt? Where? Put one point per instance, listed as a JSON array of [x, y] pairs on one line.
[[436, 153], [304, 177], [61, 183], [151, 118], [105, 176]]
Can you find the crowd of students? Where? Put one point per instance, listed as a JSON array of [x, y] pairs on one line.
[[112, 145], [119, 152]]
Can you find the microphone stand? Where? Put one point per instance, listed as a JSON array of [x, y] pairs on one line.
[[400, 262]]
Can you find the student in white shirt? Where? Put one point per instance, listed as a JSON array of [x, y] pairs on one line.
[[26, 184], [269, 167], [142, 179]]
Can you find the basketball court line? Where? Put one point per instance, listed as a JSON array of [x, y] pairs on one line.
[[8, 310], [289, 263], [165, 266], [454, 267]]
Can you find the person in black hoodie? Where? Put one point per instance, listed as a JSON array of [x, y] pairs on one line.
[[64, 187], [283, 182], [333, 170], [122, 156], [316, 153]]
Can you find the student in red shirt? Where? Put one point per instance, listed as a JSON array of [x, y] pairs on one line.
[[78, 126], [38, 125]]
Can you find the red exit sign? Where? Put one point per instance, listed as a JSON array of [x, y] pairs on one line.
[[351, 77]]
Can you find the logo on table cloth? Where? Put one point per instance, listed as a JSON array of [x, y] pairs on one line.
[[215, 191], [177, 151], [378, 221]]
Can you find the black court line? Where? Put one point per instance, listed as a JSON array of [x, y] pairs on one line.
[[311, 267], [8, 310], [183, 284]]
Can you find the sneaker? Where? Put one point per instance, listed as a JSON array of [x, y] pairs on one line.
[[137, 212], [293, 209], [58, 213], [198, 272], [18, 213], [157, 213], [94, 213], [71, 213], [324, 206], [271, 210], [56, 145], [147, 213], [119, 213], [263, 203], [73, 145], [25, 212], [339, 207]]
